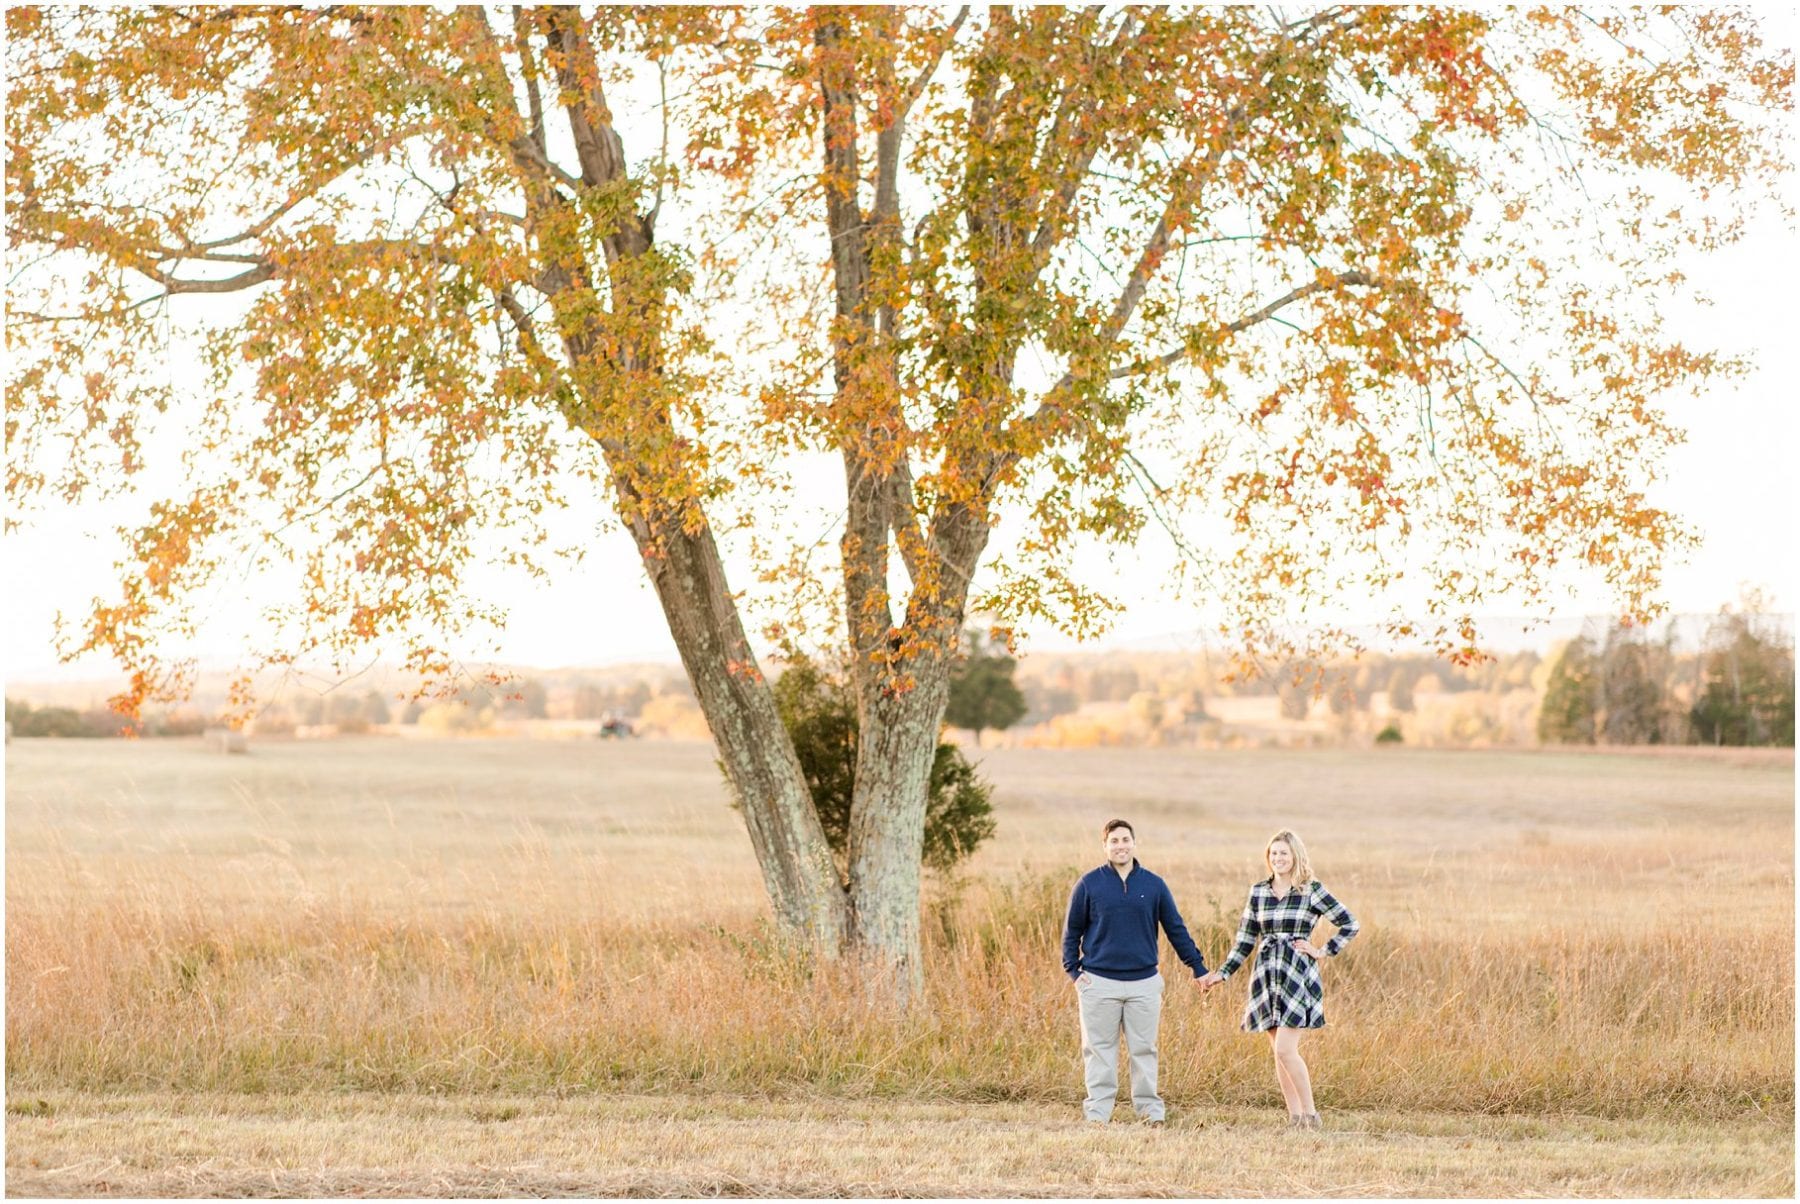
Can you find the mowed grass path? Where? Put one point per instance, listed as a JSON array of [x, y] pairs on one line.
[[375, 967], [702, 1146]]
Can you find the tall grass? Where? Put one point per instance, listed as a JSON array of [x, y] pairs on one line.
[[153, 988], [1609, 935]]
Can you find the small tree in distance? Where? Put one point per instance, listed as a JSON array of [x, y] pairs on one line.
[[1567, 714], [983, 694], [375, 710], [1747, 691]]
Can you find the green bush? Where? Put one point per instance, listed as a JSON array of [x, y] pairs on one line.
[[983, 694], [1389, 735], [819, 713]]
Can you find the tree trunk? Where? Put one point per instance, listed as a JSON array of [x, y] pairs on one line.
[[898, 742], [790, 844], [901, 710]]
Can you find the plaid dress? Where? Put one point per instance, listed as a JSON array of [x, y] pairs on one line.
[[1285, 991]]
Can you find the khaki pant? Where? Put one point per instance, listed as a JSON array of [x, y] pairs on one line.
[[1107, 1005]]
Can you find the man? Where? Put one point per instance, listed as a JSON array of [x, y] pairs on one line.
[[1109, 951]]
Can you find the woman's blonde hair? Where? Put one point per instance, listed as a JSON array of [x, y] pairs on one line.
[[1302, 874]]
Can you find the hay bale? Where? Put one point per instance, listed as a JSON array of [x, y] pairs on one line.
[[226, 740]]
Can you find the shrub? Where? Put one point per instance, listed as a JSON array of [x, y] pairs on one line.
[[819, 713]]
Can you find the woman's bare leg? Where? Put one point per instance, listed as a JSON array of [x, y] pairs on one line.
[[1288, 1059], [1288, 1091]]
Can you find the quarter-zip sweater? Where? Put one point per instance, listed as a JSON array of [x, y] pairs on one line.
[[1112, 922]]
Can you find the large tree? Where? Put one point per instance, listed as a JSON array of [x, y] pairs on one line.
[[1330, 294]]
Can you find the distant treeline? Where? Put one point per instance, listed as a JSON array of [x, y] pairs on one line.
[[347, 711], [23, 719], [1060, 687], [1631, 686], [1726, 679]]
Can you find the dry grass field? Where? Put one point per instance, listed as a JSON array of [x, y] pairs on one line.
[[488, 967]]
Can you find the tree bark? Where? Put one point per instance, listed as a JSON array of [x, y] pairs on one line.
[[887, 825], [785, 832]]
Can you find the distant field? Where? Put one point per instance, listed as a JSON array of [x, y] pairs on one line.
[[1601, 945]]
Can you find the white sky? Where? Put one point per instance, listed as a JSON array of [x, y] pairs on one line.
[[1734, 480]]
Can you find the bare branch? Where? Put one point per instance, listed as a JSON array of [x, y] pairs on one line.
[[597, 144], [1183, 195], [529, 342], [189, 249], [496, 215], [918, 86], [1323, 18], [528, 149], [910, 537], [662, 159], [260, 228], [260, 274], [526, 153], [515, 309], [984, 111], [844, 220], [265, 269], [528, 68], [1354, 278], [169, 255]]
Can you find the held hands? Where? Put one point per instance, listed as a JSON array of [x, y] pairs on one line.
[[1209, 980]]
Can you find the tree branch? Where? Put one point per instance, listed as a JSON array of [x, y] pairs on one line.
[[527, 147], [910, 537], [1074, 108], [262, 273], [1182, 198], [528, 68], [849, 253], [266, 224], [597, 144], [917, 88], [984, 110], [1354, 277], [208, 250], [515, 309], [662, 158], [265, 270]]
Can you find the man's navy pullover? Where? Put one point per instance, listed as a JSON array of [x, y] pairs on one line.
[[1112, 922]]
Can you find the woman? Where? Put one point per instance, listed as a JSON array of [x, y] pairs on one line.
[[1286, 997]]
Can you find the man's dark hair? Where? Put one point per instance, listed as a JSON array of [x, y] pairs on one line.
[[1117, 823]]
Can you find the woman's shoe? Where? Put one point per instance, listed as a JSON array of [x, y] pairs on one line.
[[1296, 1121], [1310, 1121]]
